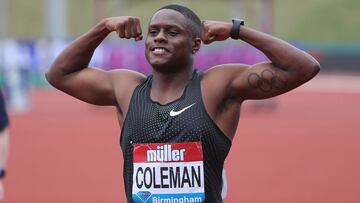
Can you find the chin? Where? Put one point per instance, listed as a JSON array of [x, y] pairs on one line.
[[161, 68], [159, 64], [165, 68]]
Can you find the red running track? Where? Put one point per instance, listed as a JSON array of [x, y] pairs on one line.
[[305, 150]]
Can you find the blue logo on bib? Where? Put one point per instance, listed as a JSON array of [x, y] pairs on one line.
[[144, 195]]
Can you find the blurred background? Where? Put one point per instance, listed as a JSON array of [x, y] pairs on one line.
[[33, 32], [299, 147]]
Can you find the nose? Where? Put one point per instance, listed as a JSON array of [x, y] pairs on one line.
[[160, 37]]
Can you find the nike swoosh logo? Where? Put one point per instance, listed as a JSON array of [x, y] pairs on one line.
[[175, 113]]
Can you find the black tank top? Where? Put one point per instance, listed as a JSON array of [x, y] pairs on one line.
[[150, 122]]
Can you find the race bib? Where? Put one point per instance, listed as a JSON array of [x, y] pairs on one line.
[[168, 173]]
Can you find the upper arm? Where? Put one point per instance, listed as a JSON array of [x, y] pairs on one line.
[[261, 81], [96, 86]]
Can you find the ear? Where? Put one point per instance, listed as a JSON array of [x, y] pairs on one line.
[[196, 44]]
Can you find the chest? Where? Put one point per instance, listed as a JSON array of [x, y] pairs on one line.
[[179, 121]]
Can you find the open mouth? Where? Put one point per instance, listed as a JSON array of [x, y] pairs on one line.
[[159, 50]]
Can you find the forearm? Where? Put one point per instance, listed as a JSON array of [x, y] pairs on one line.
[[4, 147], [282, 54], [78, 54]]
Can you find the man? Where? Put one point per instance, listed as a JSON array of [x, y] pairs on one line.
[[178, 123], [4, 143]]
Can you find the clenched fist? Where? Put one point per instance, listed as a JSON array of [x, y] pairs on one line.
[[125, 27], [215, 31]]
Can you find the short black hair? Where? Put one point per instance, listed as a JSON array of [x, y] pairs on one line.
[[193, 19]]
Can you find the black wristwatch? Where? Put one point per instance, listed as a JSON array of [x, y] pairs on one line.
[[237, 23]]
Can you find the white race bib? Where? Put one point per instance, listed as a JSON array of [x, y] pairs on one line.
[[168, 173]]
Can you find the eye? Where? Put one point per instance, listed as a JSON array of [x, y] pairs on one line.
[[173, 33], [153, 32]]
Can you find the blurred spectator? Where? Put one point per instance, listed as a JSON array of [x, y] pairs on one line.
[[16, 67], [4, 143]]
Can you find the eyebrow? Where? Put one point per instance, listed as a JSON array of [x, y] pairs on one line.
[[166, 26]]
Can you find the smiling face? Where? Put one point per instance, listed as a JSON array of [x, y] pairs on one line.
[[169, 44]]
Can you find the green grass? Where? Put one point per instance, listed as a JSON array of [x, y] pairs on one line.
[[80, 16], [216, 10], [318, 20], [305, 20], [26, 18]]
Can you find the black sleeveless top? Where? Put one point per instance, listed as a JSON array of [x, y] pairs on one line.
[[150, 122]]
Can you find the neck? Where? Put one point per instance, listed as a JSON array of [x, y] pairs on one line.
[[167, 87]]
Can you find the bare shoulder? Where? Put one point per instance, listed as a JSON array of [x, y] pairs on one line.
[[226, 70], [222, 75], [124, 83], [216, 84], [126, 76], [124, 80]]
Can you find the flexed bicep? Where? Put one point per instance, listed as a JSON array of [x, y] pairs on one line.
[[263, 81], [91, 85], [267, 79], [99, 87], [70, 72]]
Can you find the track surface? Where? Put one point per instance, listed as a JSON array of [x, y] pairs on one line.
[[304, 150]]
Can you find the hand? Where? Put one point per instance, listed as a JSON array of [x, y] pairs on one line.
[[215, 31], [2, 193], [125, 26]]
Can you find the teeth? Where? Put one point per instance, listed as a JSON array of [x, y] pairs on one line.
[[159, 50]]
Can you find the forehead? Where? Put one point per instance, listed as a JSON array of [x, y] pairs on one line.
[[168, 17]]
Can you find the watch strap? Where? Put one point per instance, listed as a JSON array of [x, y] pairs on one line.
[[237, 23]]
